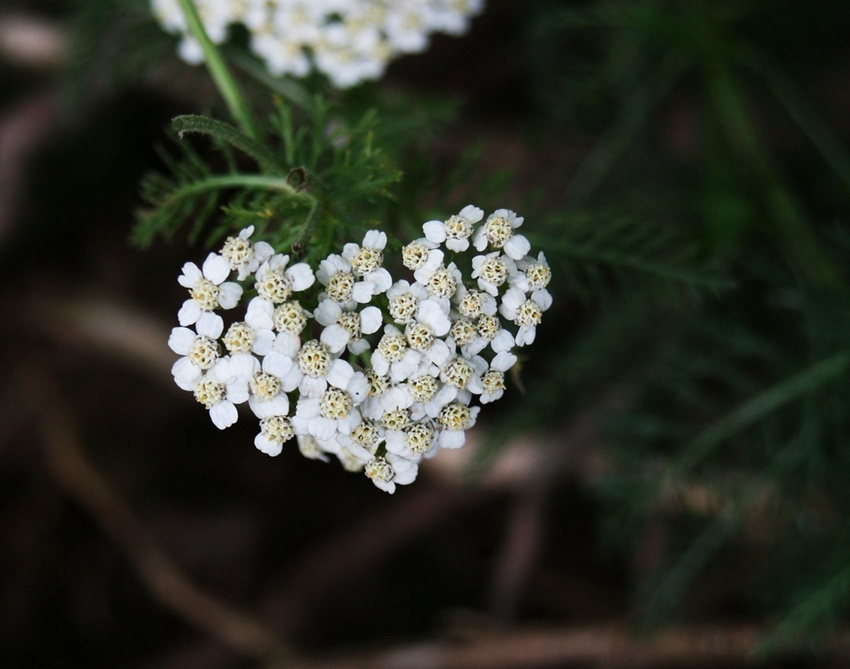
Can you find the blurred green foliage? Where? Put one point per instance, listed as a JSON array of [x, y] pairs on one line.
[[700, 248]]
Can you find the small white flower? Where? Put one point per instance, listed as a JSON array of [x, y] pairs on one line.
[[367, 260], [532, 274], [275, 282], [334, 411], [346, 328], [442, 282], [462, 376], [416, 441], [243, 256], [274, 432], [456, 231], [393, 356], [312, 448], [207, 288], [493, 381], [362, 442], [200, 350], [489, 330], [498, 232], [319, 367], [270, 384], [492, 270], [384, 396], [219, 391], [420, 253], [525, 312], [473, 303], [388, 471], [341, 285], [454, 419]]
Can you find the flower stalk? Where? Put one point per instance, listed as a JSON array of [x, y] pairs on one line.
[[221, 76]]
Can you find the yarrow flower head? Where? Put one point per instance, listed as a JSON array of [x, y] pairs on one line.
[[350, 41], [346, 361]]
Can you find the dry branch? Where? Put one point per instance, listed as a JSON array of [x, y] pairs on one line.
[[71, 468]]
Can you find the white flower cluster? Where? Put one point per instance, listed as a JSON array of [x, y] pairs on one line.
[[348, 40], [377, 372]]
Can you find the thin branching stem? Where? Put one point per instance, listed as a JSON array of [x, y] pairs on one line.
[[221, 76]]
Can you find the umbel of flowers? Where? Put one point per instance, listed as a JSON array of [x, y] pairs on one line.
[[352, 363], [348, 40]]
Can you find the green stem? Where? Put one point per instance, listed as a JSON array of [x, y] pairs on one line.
[[757, 408], [221, 76], [235, 181]]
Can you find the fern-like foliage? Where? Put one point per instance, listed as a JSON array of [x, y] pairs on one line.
[[304, 186], [601, 253]]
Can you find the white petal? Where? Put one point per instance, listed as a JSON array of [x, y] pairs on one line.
[[223, 414], [435, 231], [379, 363], [216, 268], [277, 405], [301, 276], [340, 373], [237, 390], [407, 475], [471, 213], [381, 279], [395, 398], [189, 313], [439, 353], [503, 361], [311, 387], [358, 346], [185, 374], [277, 364], [457, 244], [190, 275], [513, 299], [503, 341], [292, 380], [328, 312], [322, 428], [267, 446], [479, 241], [526, 335], [358, 387], [263, 251], [386, 486], [263, 342], [210, 325], [375, 239], [452, 438], [362, 292], [335, 337], [287, 343], [517, 247], [229, 294], [180, 340], [244, 365], [350, 250], [370, 320], [543, 298], [260, 314], [432, 314]]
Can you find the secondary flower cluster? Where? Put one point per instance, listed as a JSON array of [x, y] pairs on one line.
[[375, 371], [348, 40]]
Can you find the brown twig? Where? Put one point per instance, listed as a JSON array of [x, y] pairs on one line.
[[596, 646], [165, 580]]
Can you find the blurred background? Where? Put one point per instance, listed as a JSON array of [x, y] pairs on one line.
[[665, 482]]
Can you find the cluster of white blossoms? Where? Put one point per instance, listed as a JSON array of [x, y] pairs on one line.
[[348, 40], [377, 372]]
